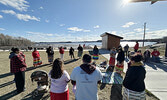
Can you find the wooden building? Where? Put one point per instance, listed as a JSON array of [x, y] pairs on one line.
[[109, 40]]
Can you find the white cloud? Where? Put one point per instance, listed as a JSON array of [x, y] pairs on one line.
[[128, 24], [24, 17], [47, 21], [1, 16], [114, 32], [21, 5], [8, 12], [41, 7], [149, 34], [62, 25], [2, 29], [140, 29], [97, 26], [76, 29]]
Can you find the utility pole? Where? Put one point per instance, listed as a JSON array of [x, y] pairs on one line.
[[144, 33]]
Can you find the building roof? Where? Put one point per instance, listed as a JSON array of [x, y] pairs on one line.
[[106, 33]]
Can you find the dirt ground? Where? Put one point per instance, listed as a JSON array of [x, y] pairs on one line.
[[8, 89]]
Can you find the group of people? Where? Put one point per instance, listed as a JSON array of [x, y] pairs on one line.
[[85, 77]]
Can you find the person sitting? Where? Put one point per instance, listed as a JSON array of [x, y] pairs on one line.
[[155, 55]]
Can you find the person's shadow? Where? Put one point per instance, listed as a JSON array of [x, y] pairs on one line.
[[9, 95], [69, 61]]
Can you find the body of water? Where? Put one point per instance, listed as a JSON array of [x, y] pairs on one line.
[[91, 44]]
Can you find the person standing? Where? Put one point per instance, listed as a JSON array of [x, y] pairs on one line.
[[59, 81], [61, 51], [36, 58], [86, 77], [120, 61], [146, 55], [136, 47], [112, 58], [50, 53], [95, 53], [80, 51], [134, 85], [71, 53], [18, 67], [155, 55], [126, 48]]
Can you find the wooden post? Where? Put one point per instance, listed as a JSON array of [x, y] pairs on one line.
[[144, 33]]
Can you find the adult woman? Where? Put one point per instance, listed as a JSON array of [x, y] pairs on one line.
[[61, 51], [50, 53], [134, 86], [59, 79], [120, 61], [95, 53], [18, 67], [36, 58]]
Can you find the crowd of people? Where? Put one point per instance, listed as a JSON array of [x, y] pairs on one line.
[[87, 76]]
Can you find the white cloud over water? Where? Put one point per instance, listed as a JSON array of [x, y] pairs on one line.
[[128, 24], [76, 29], [24, 17], [21, 5]]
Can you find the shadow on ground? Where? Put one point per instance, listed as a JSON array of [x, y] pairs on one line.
[[6, 84], [28, 69], [8, 95], [116, 92], [70, 61], [40, 96]]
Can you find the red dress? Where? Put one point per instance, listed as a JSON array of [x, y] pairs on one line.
[[36, 58]]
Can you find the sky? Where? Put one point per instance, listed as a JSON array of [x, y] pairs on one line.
[[81, 20]]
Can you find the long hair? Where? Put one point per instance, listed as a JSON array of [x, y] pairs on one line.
[[57, 69]]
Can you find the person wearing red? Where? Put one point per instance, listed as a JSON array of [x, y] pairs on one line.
[[36, 58], [61, 51], [155, 55], [136, 47], [18, 67]]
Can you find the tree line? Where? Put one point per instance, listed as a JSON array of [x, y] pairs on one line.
[[9, 41]]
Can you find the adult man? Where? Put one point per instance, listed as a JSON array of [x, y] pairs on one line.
[[86, 77]]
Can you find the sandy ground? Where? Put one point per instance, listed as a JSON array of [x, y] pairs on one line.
[[7, 86]]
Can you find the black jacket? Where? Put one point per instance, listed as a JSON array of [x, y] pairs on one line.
[[134, 79], [121, 57]]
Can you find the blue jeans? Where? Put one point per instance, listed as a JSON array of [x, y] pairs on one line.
[[156, 59]]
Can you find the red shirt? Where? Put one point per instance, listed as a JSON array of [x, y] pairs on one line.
[[17, 63], [35, 54], [136, 46], [61, 51], [155, 53]]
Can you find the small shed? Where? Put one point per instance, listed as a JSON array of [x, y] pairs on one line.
[[110, 40]]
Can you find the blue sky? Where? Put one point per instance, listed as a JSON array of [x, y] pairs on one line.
[[81, 20]]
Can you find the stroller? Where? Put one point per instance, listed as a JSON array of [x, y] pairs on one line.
[[41, 77]]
